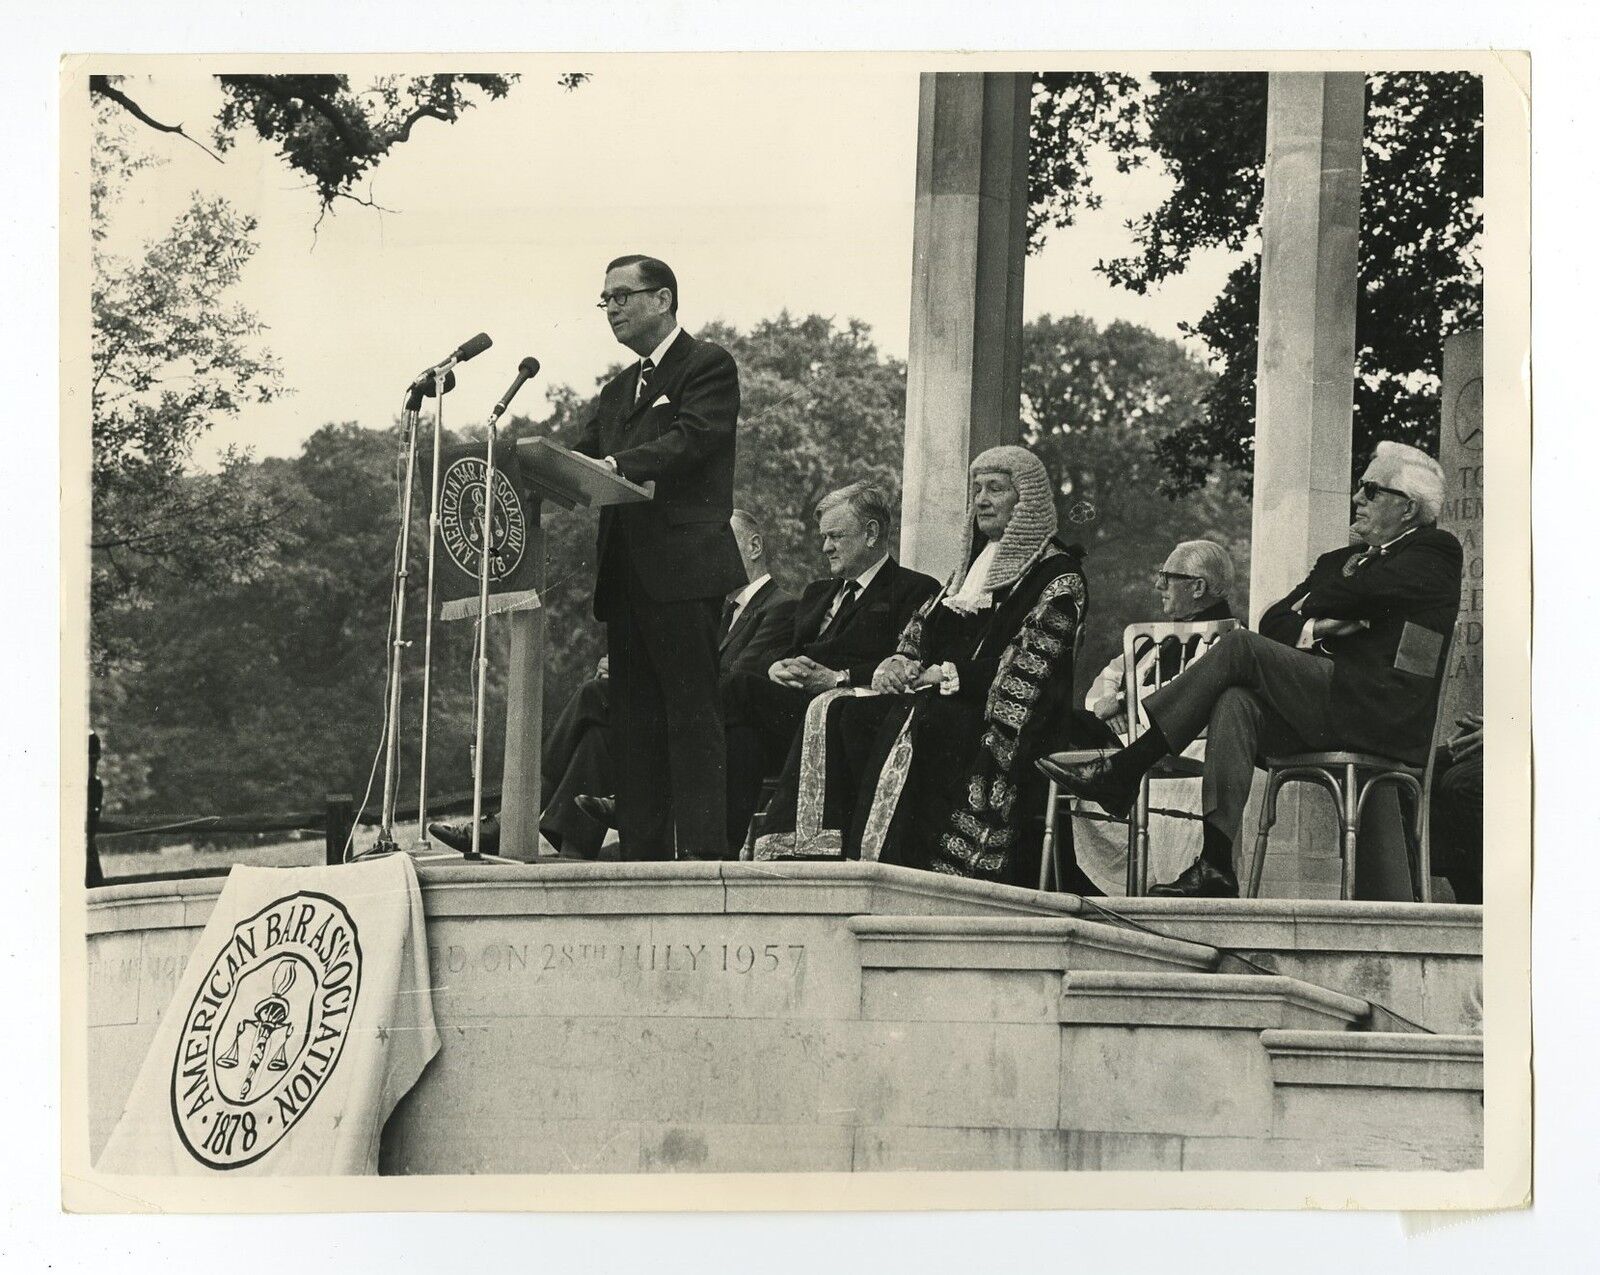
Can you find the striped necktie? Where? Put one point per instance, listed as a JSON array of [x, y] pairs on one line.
[[645, 368]]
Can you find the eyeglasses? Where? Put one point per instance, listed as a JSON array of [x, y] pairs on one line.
[[619, 297], [1164, 579], [1367, 489]]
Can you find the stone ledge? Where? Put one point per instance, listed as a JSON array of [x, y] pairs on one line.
[[572, 889], [1387, 1060], [1236, 1001], [1011, 943], [1309, 925]]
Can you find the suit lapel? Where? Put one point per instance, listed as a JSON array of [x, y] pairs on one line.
[[665, 373], [748, 615]]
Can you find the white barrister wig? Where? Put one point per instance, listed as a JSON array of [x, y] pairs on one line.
[[1028, 535]]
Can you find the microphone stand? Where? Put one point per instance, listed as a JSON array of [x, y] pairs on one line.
[[422, 845], [476, 854], [386, 843]]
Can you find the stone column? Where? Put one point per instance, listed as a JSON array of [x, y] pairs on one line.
[[1461, 456], [1305, 385], [963, 384], [1305, 367]]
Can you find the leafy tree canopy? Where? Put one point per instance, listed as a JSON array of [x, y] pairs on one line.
[[169, 356], [324, 128], [1421, 220]]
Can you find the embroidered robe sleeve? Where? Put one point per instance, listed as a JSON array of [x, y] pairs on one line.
[[983, 828]]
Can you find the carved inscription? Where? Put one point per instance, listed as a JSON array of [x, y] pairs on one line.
[[621, 960]]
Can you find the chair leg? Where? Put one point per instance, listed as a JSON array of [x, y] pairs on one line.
[[1269, 816], [1141, 835], [1047, 853], [1350, 822], [1424, 852]]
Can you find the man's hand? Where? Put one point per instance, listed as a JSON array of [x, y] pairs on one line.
[[933, 675], [603, 668], [802, 673], [1468, 739], [896, 675]]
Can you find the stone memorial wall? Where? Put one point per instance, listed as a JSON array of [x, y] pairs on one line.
[[1461, 455]]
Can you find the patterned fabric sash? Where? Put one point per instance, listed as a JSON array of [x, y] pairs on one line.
[[891, 783], [809, 836]]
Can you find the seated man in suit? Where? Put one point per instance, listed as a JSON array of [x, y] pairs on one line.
[[845, 625], [756, 623], [1456, 810], [1349, 659]]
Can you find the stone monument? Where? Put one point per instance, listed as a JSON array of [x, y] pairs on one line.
[[1461, 455]]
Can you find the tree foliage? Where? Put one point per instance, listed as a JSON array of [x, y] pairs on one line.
[[324, 128], [1419, 280], [265, 691], [170, 355], [1097, 404]]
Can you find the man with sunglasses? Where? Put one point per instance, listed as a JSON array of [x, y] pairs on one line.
[[1349, 659], [663, 568]]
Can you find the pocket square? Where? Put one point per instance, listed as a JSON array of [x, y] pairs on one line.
[[662, 401]]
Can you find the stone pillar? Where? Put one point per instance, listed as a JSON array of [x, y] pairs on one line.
[[1461, 456], [963, 383], [1305, 367], [1305, 386]]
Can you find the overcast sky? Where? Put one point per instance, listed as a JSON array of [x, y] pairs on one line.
[[767, 183]]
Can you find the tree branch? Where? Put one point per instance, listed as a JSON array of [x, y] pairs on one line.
[[101, 85]]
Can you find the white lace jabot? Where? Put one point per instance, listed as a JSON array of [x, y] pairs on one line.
[[972, 596]]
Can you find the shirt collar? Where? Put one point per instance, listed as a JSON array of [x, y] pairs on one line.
[[1384, 548], [865, 578], [742, 598], [657, 354]]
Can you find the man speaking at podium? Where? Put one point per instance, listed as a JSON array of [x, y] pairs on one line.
[[663, 567]]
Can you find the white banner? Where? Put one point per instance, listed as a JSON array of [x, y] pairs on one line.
[[304, 1014]]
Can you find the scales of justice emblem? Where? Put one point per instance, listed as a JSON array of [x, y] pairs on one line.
[[461, 497], [271, 1021]]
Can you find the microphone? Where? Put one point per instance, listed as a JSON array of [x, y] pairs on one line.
[[526, 371], [426, 387], [469, 349]]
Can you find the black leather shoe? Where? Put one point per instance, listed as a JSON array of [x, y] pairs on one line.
[[1200, 880], [1094, 781], [603, 810], [458, 836]]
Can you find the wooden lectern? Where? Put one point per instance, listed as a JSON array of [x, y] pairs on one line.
[[567, 479]]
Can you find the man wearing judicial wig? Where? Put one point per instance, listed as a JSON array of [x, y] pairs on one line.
[[935, 770], [665, 566], [1349, 659]]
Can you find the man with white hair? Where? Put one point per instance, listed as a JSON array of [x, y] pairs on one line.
[[1348, 659]]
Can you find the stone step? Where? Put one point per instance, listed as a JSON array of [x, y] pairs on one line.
[[996, 969], [1420, 962]]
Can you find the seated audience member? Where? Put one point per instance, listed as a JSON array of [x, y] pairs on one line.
[[936, 770], [1349, 659], [576, 761], [1455, 814], [843, 626], [1192, 584]]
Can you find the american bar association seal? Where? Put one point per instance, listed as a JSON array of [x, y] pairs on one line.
[[266, 1029]]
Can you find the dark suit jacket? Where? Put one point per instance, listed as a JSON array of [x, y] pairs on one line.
[[1386, 676], [761, 633], [868, 629], [681, 437]]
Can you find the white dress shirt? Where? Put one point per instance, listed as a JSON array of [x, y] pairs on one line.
[[742, 598]]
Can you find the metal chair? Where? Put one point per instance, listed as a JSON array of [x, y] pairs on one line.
[[1350, 778], [1192, 638]]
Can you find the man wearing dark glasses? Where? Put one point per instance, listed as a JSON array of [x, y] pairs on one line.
[[1349, 659], [663, 568]]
